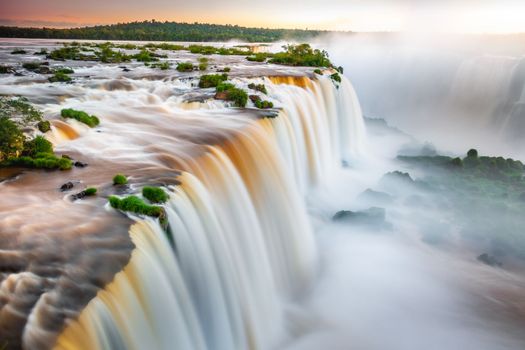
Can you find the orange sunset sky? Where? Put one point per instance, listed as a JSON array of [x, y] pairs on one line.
[[470, 16]]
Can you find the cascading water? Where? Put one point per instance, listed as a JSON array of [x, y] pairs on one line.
[[241, 244]]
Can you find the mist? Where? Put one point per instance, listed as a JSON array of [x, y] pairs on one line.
[[457, 91]]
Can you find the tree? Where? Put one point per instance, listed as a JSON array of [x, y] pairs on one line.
[[11, 139]]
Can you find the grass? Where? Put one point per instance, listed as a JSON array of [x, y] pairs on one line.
[[155, 194], [161, 66], [81, 116], [185, 67], [120, 179], [60, 77], [212, 80], [90, 191], [40, 161], [258, 87], [136, 205]]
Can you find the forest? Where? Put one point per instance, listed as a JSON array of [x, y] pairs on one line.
[[162, 31]]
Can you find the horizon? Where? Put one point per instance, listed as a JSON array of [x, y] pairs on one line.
[[466, 17]]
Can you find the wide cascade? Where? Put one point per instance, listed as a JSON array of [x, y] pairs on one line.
[[239, 243]]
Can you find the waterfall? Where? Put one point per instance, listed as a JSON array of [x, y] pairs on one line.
[[241, 242]]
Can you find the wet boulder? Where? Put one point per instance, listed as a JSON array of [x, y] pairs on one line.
[[67, 186], [373, 217]]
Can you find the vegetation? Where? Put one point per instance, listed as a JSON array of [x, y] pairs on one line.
[[40, 161], [162, 31], [5, 69], [212, 80], [64, 70], [222, 87], [203, 63], [225, 70], [11, 139], [31, 66], [155, 194], [318, 71], [238, 96], [485, 196], [185, 67], [59, 77], [258, 57], [81, 116], [301, 55], [336, 77], [90, 191], [120, 179], [161, 65], [258, 87], [136, 205], [36, 146], [145, 56], [44, 126], [42, 52], [262, 104]]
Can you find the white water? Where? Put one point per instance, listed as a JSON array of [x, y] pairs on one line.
[[243, 244]]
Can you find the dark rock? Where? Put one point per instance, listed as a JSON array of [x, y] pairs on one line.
[[490, 260], [399, 175], [80, 164], [223, 95], [254, 98], [372, 218], [67, 186], [126, 69], [18, 74], [44, 70]]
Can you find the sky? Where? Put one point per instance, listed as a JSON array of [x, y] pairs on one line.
[[463, 16]]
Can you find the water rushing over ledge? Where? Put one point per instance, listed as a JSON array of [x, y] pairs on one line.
[[241, 241]]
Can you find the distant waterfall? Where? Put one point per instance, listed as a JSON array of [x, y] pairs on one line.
[[242, 241]]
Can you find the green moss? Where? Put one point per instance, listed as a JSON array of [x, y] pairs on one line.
[[161, 66], [258, 87], [64, 70], [59, 77], [41, 161], [185, 67], [90, 191], [44, 126], [258, 57], [211, 80], [136, 205], [145, 56], [120, 179], [155, 194], [81, 116]]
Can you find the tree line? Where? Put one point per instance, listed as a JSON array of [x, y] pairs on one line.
[[162, 31]]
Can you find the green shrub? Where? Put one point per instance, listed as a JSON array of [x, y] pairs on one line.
[[120, 179], [136, 205], [44, 126], [258, 87], [457, 162], [162, 66], [238, 96], [202, 49], [145, 56], [211, 80], [38, 145], [258, 57], [32, 66], [41, 161], [155, 194], [185, 67], [472, 153], [11, 139], [18, 52], [64, 70], [59, 77], [318, 71], [336, 77], [225, 70], [90, 191], [81, 116], [66, 53], [224, 87], [301, 55], [203, 66], [263, 104]]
